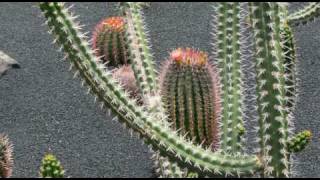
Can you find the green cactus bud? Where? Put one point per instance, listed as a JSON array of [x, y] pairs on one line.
[[109, 43], [51, 167], [300, 141], [190, 89], [6, 161]]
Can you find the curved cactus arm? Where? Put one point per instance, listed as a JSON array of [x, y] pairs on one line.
[[139, 49], [159, 136], [227, 34], [305, 15], [271, 89]]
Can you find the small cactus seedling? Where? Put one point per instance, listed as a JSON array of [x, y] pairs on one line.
[[51, 167], [190, 92], [108, 41], [6, 161]]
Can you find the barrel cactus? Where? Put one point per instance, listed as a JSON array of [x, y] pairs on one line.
[[109, 43], [51, 167], [6, 161], [159, 122], [190, 90]]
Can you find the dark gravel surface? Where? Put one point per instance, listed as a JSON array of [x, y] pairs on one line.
[[43, 109]]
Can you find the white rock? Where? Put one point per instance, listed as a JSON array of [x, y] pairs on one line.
[[6, 63]]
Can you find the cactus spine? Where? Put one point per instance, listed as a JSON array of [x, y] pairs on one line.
[[6, 161], [108, 41], [51, 167], [188, 90]]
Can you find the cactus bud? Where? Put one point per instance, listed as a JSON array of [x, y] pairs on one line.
[[125, 76], [300, 141]]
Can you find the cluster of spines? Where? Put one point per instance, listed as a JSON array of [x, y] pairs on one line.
[[160, 137], [51, 167], [190, 98], [305, 15], [271, 88], [6, 161], [288, 47], [227, 51], [108, 41]]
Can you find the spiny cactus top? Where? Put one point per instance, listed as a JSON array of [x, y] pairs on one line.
[[189, 88], [6, 161], [108, 41], [51, 167]]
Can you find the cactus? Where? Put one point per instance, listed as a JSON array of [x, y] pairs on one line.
[[191, 95], [6, 161], [163, 130], [125, 76], [51, 167], [305, 15], [108, 41], [300, 141]]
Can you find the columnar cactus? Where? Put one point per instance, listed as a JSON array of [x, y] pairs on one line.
[[108, 41], [190, 88], [187, 81], [51, 167], [6, 161]]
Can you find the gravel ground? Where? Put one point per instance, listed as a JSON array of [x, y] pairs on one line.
[[43, 109]]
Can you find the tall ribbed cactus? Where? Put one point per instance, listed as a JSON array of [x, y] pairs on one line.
[[190, 88], [305, 15], [108, 41], [191, 100]]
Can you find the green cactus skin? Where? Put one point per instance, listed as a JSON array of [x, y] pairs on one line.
[[271, 89], [300, 141], [289, 50], [154, 132], [6, 160], [227, 51], [305, 15], [51, 167], [108, 41], [189, 89]]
